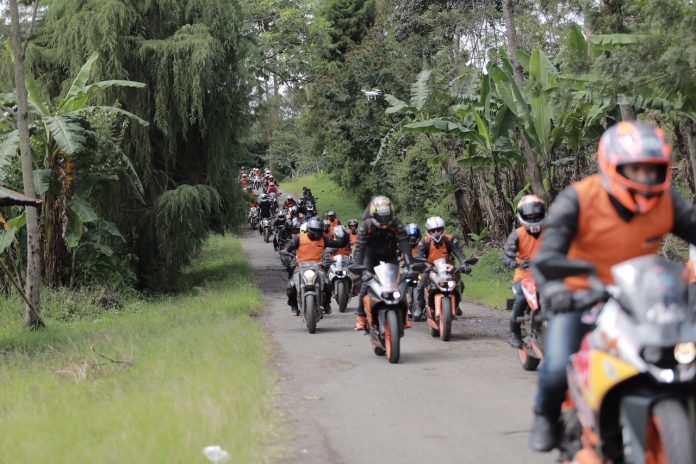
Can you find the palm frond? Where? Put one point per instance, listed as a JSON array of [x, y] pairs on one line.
[[420, 90]]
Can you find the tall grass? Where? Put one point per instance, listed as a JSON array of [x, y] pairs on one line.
[[152, 382], [330, 196]]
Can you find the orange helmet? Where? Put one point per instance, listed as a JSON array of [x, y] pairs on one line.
[[634, 142]]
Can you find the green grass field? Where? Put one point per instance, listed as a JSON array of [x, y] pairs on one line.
[[489, 283], [152, 382], [330, 196]]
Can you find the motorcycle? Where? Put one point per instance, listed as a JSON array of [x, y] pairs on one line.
[[340, 279], [631, 386], [253, 217], [265, 229], [385, 307], [531, 353], [309, 282], [258, 183], [442, 284]]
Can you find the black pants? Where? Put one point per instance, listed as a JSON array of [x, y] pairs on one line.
[[520, 303]]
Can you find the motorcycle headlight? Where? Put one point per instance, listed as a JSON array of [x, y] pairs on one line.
[[340, 273], [685, 353], [451, 284], [397, 295], [391, 295], [309, 276]]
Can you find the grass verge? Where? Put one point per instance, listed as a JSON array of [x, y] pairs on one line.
[[490, 283], [152, 382], [329, 196]]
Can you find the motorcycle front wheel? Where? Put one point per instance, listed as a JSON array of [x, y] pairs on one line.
[[341, 296], [311, 313], [392, 341], [446, 319], [671, 436]]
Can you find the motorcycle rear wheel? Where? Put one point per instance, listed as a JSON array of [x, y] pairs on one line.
[[392, 341], [310, 313]]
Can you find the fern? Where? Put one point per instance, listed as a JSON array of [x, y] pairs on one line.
[[420, 90]]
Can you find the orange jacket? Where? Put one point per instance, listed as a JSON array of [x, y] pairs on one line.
[[604, 239]]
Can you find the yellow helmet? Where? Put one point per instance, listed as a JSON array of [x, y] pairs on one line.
[[382, 210]]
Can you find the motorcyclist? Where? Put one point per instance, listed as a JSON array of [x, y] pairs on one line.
[[283, 230], [289, 202], [333, 220], [271, 184], [379, 237], [245, 181], [606, 218], [327, 227], [265, 207], [338, 233], [520, 248], [414, 237], [436, 245], [353, 231], [310, 249]]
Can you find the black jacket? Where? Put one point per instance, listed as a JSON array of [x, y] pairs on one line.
[[376, 244]]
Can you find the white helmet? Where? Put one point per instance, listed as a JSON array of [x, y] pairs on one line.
[[303, 228], [339, 232], [435, 226]]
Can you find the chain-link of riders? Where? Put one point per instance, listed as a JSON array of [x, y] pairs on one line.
[[520, 248], [311, 248], [604, 219], [436, 245], [381, 237]]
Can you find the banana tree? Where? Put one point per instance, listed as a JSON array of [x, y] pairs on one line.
[[493, 122], [532, 106], [61, 133], [426, 100]]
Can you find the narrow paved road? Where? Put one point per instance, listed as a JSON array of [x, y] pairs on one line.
[[464, 401]]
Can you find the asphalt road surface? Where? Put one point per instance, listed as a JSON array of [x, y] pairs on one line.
[[464, 401]]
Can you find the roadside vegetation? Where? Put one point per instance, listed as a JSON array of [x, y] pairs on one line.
[[143, 380], [329, 196]]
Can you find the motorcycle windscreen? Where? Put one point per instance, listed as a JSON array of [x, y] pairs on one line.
[[441, 266], [653, 289], [387, 275]]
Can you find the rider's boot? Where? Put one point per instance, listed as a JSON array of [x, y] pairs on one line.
[[417, 312], [327, 307], [515, 337], [295, 310], [544, 434], [361, 322]]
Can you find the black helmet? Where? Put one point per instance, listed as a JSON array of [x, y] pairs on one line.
[[327, 225], [315, 228], [353, 224]]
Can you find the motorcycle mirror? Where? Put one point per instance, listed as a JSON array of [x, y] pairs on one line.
[[562, 267]]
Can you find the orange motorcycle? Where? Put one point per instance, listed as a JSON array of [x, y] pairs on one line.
[[441, 288], [632, 384], [532, 325]]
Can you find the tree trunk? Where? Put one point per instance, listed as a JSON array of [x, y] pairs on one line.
[[688, 131], [628, 112], [533, 170], [32, 318]]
